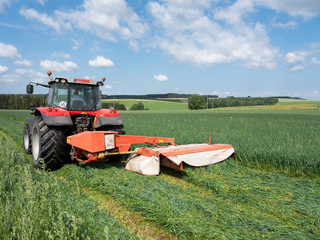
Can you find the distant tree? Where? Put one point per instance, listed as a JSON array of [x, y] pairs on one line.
[[115, 105], [196, 102], [138, 106]]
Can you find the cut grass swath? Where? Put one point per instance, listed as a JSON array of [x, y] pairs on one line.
[[226, 208]]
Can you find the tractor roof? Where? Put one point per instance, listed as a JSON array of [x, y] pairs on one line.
[[75, 80]]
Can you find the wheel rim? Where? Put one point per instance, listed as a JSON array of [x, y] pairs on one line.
[[35, 144], [26, 139]]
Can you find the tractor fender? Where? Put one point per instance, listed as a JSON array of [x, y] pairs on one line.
[[108, 121], [54, 119], [30, 122]]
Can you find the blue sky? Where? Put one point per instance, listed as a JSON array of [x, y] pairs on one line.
[[229, 48]]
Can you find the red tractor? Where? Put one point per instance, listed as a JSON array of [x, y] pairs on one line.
[[73, 126], [72, 106]]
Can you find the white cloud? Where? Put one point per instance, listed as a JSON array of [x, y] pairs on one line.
[[42, 2], [23, 62], [315, 61], [23, 75], [9, 78], [3, 69], [316, 93], [295, 8], [161, 77], [289, 24], [234, 13], [300, 59], [77, 43], [100, 61], [107, 86], [55, 66], [32, 14], [9, 51], [31, 75], [134, 45], [107, 19], [192, 36], [4, 3], [296, 60], [60, 55]]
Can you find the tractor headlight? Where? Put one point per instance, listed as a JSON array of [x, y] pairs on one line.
[[109, 141]]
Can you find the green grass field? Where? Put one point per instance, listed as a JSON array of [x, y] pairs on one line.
[[271, 191]]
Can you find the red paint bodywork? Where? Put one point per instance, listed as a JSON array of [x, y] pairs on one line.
[[93, 142], [58, 112]]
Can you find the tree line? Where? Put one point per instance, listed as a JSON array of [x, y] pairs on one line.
[[14, 101], [200, 102], [120, 106]]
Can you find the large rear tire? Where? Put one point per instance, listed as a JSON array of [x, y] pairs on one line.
[[49, 148], [27, 139]]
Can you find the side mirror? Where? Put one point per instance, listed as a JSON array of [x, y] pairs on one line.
[[29, 89]]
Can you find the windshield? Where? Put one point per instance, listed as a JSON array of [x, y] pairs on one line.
[[75, 96], [58, 95]]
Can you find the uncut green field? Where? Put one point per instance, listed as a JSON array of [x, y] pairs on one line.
[[152, 104], [270, 192]]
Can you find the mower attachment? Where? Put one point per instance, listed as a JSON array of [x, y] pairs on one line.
[[147, 161], [98, 145]]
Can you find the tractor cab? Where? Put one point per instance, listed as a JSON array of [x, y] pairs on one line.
[[72, 94], [74, 97]]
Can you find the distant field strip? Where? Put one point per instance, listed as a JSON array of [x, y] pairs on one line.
[[152, 104]]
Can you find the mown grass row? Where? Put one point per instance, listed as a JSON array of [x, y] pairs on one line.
[[224, 201], [35, 205]]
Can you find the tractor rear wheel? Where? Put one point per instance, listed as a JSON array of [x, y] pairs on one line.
[[27, 139], [49, 148]]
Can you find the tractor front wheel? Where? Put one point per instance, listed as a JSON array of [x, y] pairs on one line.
[[49, 148], [27, 139]]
